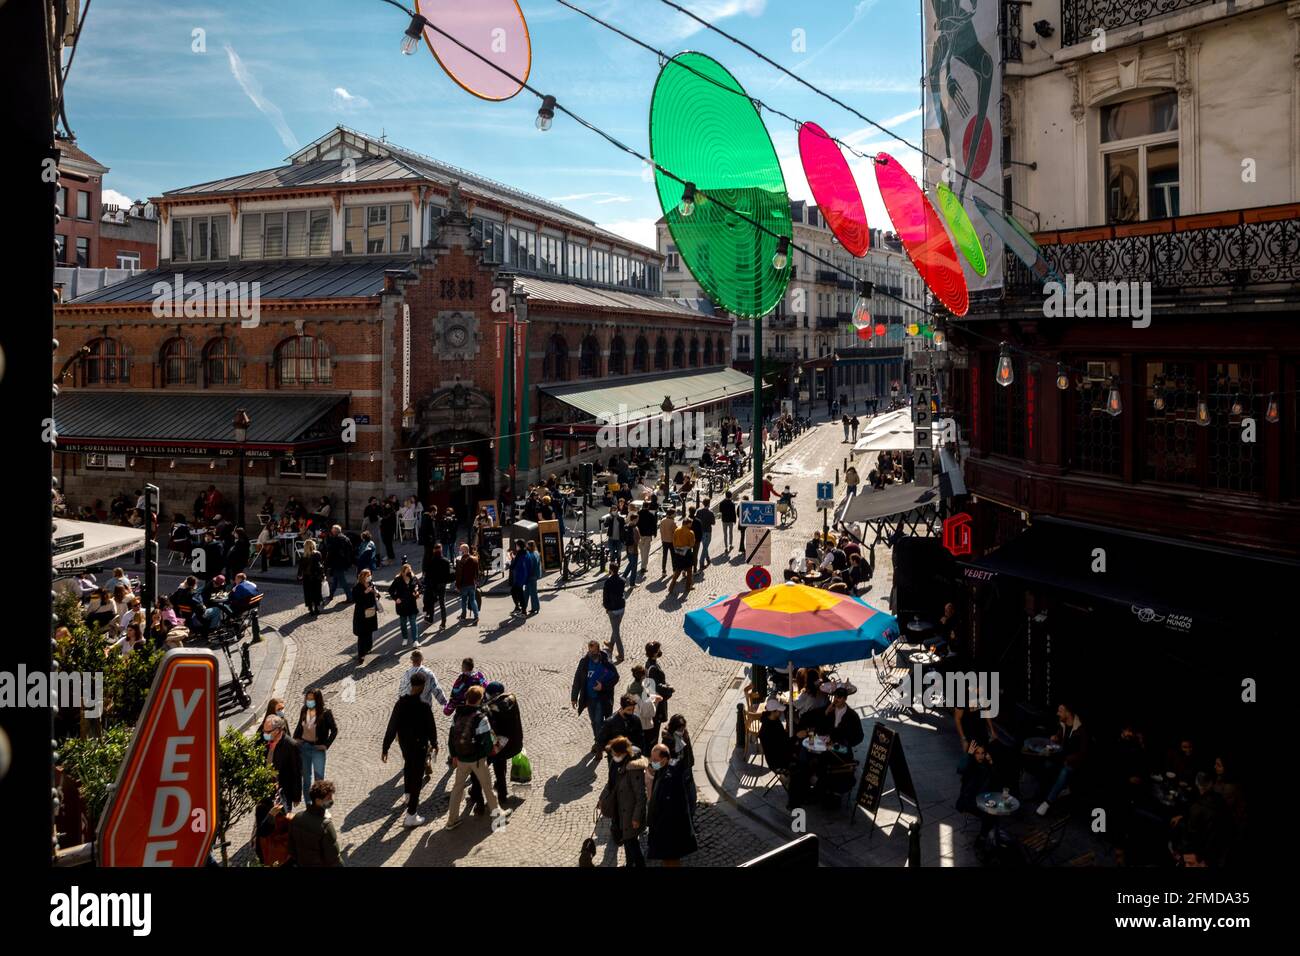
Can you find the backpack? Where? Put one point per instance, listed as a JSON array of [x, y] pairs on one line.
[[464, 735]]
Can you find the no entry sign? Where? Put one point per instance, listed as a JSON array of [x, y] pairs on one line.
[[163, 809], [469, 463]]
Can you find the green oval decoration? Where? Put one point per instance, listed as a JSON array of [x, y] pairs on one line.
[[705, 129], [963, 233]]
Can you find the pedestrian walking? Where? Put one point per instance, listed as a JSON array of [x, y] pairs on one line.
[[613, 526], [624, 722], [411, 723], [667, 529], [405, 591], [669, 818], [447, 527], [707, 519], [853, 427], [632, 547], [240, 555], [432, 689], [683, 556], [313, 841], [615, 603], [437, 575], [338, 558], [851, 480], [507, 724], [623, 801], [646, 524], [594, 681], [654, 670], [643, 688], [727, 517], [468, 677], [471, 742], [534, 575], [678, 741], [285, 759], [367, 555], [371, 515], [845, 422], [388, 529], [521, 570], [467, 583], [365, 614], [315, 732]]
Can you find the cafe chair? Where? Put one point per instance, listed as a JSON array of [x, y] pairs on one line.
[[299, 548], [753, 724], [891, 680], [1041, 843], [406, 529]]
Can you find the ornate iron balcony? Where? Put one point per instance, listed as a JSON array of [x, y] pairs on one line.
[[1080, 17], [1010, 32]]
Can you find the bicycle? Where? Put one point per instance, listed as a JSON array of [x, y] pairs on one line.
[[582, 554], [788, 512]]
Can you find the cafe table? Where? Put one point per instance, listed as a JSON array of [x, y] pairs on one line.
[[996, 804], [1040, 747]]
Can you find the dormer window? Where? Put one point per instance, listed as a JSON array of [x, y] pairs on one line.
[[377, 230], [200, 238], [291, 234]]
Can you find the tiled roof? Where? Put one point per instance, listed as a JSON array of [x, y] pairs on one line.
[[570, 293], [323, 172]]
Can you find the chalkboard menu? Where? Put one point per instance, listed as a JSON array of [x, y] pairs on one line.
[[489, 549], [884, 755], [552, 547]]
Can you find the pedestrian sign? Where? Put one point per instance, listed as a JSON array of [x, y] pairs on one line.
[[758, 513]]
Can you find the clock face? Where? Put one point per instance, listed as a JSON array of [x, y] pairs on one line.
[[457, 336]]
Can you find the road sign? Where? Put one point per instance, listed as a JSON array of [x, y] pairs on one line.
[[759, 551], [469, 477], [163, 809], [469, 463], [757, 578], [825, 496], [758, 513]]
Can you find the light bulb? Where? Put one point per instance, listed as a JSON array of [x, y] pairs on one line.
[[1236, 405], [411, 456], [409, 42], [331, 464], [781, 258], [940, 336], [173, 463], [132, 463], [372, 457], [1114, 404], [212, 465], [1271, 414], [687, 206], [1202, 411], [1006, 373], [250, 464], [546, 113], [1159, 401], [1062, 377], [412, 35]]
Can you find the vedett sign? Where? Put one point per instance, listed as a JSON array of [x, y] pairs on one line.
[[163, 809]]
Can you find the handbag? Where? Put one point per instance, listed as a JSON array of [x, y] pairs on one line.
[[521, 768]]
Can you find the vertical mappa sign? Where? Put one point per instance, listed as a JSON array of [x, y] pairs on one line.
[[163, 809]]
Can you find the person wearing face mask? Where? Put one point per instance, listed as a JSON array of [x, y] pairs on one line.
[[285, 759], [623, 800], [313, 841], [411, 725], [315, 732], [670, 830], [624, 723], [678, 741]]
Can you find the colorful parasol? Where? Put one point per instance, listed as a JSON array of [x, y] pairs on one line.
[[923, 235], [834, 189], [791, 624], [494, 29]]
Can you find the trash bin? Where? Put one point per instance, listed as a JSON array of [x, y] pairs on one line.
[[524, 531]]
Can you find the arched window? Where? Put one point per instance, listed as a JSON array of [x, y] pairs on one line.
[[555, 367], [589, 358], [617, 357], [178, 365], [304, 360], [679, 352], [221, 365], [641, 355], [708, 351], [694, 354], [661, 353], [106, 364]]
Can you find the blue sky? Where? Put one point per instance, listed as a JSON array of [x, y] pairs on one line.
[[277, 74]]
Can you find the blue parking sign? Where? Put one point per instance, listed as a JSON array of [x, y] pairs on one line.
[[758, 514]]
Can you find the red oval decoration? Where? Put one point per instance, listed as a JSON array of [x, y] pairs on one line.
[[881, 330], [982, 152], [834, 189], [922, 233]]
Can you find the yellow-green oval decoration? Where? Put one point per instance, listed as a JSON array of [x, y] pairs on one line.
[[963, 232]]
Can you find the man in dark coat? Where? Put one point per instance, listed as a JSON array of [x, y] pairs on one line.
[[411, 723], [840, 722], [668, 814], [313, 841], [338, 558], [624, 722], [437, 575], [594, 681], [214, 560], [285, 757]]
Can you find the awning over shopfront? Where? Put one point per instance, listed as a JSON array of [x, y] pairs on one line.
[[83, 544], [162, 423], [635, 399], [1163, 583]]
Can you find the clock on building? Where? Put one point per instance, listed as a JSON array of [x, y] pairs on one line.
[[457, 336]]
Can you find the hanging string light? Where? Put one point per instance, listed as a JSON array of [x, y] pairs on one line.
[[331, 461], [862, 308], [781, 258], [173, 463], [686, 207], [1202, 411], [940, 336], [1271, 414], [546, 113], [1006, 372], [1114, 404], [1159, 401], [1236, 405], [1062, 377], [372, 457]]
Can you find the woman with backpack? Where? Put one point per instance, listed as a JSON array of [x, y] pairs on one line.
[[365, 614], [311, 572], [404, 591]]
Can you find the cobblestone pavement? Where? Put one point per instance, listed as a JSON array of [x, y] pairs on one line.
[[535, 660]]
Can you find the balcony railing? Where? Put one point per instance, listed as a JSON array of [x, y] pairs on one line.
[[1010, 31], [1080, 17], [829, 322], [827, 275], [1229, 250]]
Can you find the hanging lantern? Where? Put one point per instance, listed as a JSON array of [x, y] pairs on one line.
[[1062, 377], [1236, 405], [1114, 404], [1006, 373], [1271, 414], [861, 309], [1202, 411]]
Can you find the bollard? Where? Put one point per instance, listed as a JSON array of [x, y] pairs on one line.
[[837, 477], [740, 726]]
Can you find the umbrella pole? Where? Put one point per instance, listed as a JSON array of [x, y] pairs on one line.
[[789, 666]]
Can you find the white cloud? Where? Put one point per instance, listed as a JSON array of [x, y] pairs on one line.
[[600, 197], [713, 11], [637, 230], [859, 11], [609, 199], [111, 197], [345, 102], [253, 90]]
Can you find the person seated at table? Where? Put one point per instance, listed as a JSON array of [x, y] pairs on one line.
[[86, 584], [808, 708], [241, 595], [858, 574], [976, 769], [774, 738], [840, 722], [189, 606], [119, 580], [1073, 738], [102, 608], [1205, 828], [1185, 761]]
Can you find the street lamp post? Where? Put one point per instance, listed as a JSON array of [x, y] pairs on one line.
[[241, 423], [667, 408]]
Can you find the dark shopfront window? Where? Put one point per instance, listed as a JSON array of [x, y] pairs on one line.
[[1096, 440], [1009, 422], [1178, 450]]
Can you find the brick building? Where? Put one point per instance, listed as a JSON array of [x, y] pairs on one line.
[[81, 185], [128, 238], [356, 303]]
